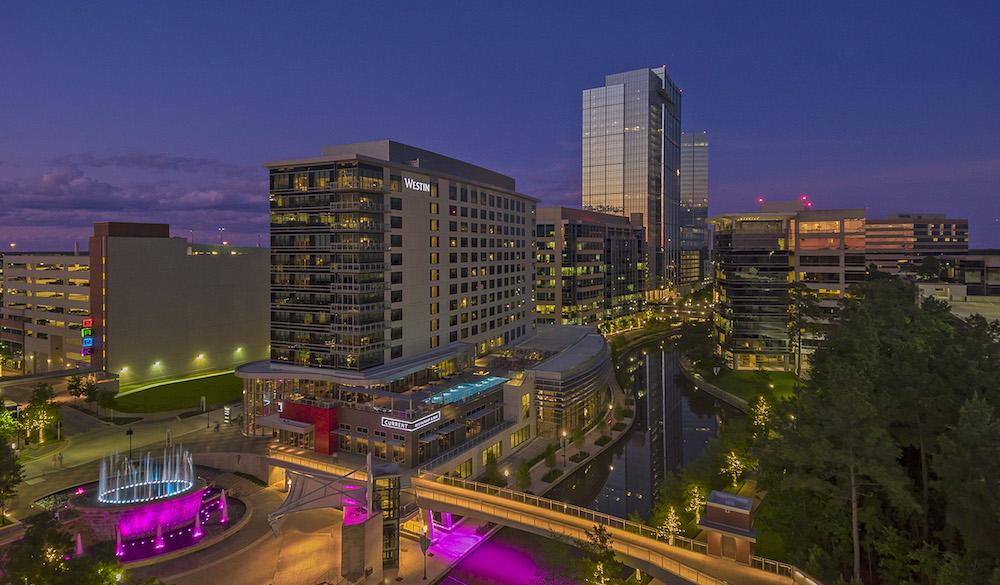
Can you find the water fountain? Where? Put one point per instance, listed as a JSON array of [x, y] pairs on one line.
[[143, 497]]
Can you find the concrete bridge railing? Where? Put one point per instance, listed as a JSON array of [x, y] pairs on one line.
[[647, 548]]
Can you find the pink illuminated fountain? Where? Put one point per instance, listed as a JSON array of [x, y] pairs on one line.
[[143, 497]]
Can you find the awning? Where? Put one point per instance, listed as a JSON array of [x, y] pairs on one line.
[[480, 414], [450, 427], [430, 438], [274, 421], [394, 443], [341, 431]]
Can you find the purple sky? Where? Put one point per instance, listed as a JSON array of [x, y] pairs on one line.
[[138, 111]]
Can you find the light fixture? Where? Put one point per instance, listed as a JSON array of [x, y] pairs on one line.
[[125, 369], [239, 349], [201, 356], [156, 364]]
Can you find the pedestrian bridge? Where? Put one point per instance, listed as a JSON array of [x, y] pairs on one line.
[[639, 546]]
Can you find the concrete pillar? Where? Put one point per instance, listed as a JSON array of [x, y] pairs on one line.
[[446, 521], [430, 524], [361, 549]]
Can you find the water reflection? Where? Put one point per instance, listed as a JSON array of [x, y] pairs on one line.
[[673, 424]]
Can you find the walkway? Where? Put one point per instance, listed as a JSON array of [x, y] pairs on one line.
[[641, 545]]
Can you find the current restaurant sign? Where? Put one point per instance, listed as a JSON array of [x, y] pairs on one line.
[[404, 425]]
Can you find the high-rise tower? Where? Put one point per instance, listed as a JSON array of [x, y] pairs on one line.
[[631, 161], [694, 208]]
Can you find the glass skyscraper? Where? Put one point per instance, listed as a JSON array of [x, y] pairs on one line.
[[694, 208], [631, 161]]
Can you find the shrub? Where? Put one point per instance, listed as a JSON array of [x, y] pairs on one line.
[[552, 475], [602, 441], [579, 456]]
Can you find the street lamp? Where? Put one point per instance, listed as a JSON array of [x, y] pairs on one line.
[[564, 448], [425, 543], [129, 433]]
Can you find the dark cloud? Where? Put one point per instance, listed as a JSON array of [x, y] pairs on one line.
[[67, 197], [158, 162]]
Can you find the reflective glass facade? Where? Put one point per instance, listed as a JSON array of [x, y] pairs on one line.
[[631, 160], [694, 207]]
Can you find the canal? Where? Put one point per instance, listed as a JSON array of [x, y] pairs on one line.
[[674, 423]]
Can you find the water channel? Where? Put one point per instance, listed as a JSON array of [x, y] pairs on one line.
[[673, 424]]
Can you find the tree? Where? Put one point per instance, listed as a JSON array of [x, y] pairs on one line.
[[835, 445], [45, 555], [760, 416], [522, 476], [550, 456], [8, 426], [734, 467], [106, 400], [491, 471], [599, 565], [578, 438], [803, 314], [671, 524], [969, 486], [90, 391], [695, 498], [11, 474], [41, 394], [75, 387]]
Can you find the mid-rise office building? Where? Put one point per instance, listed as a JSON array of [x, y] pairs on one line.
[[591, 266], [141, 305], [694, 259], [757, 257], [631, 162], [908, 238]]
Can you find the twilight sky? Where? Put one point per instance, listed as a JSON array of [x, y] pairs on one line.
[[163, 111]]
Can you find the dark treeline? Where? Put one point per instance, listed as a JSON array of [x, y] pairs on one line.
[[885, 467]]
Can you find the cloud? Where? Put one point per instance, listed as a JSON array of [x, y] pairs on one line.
[[67, 197], [158, 162]]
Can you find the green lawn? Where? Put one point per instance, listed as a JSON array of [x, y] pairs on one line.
[[185, 394], [744, 385]]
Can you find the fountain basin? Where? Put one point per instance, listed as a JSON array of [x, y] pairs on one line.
[[140, 518]]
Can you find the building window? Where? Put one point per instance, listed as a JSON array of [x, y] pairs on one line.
[[435, 308], [396, 241], [435, 341], [396, 296], [520, 436], [435, 241], [434, 207], [396, 259], [396, 222], [496, 449], [435, 324], [434, 257], [397, 351], [435, 274], [396, 315], [397, 333], [453, 336], [395, 203], [396, 278], [435, 225], [464, 470], [435, 292]]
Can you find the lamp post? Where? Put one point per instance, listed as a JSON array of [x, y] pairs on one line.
[[564, 447], [129, 433], [425, 543]]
